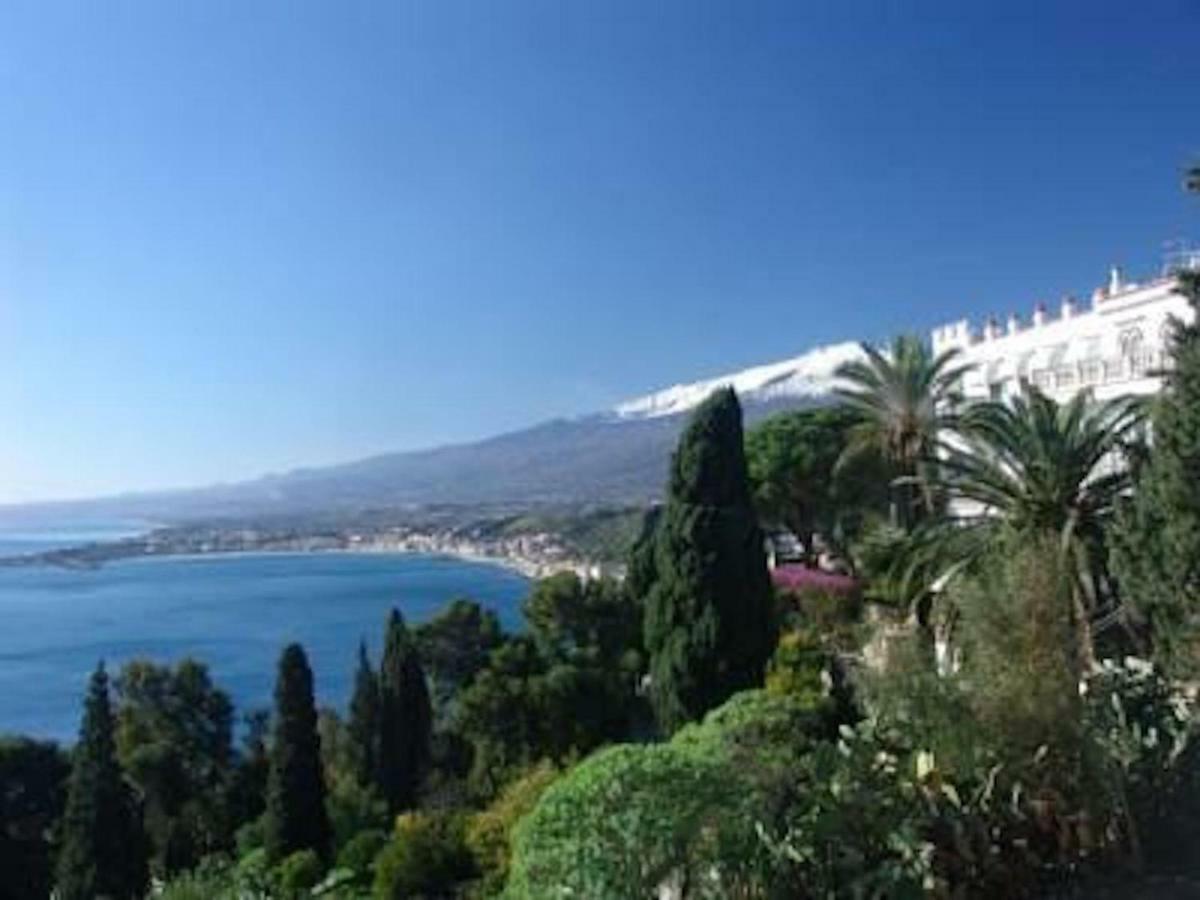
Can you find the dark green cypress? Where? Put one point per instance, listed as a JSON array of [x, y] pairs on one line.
[[709, 625], [104, 850], [1156, 541], [364, 719], [296, 816], [405, 718]]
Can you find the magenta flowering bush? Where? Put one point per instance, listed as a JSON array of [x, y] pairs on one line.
[[798, 578], [824, 599]]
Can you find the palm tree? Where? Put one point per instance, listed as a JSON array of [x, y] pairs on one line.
[[1038, 466], [907, 400]]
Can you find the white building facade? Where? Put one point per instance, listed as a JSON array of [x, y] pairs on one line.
[[1111, 346]]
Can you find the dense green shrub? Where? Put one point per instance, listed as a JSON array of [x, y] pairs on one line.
[[215, 878], [800, 668], [359, 853], [427, 856], [298, 873], [490, 833], [623, 822], [631, 818]]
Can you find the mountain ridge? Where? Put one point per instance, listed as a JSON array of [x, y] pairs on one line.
[[618, 456]]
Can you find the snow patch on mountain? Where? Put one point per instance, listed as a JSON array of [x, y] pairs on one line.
[[809, 375]]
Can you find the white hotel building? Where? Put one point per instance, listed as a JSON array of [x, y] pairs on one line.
[[1112, 346]]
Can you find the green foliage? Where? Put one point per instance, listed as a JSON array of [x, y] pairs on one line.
[[103, 849], [363, 726], [1144, 728], [353, 809], [623, 822], [215, 878], [426, 857], [405, 718], [521, 709], [296, 816], [796, 480], [906, 400], [1021, 648], [246, 795], [359, 853], [490, 833], [709, 618], [602, 535], [569, 617], [174, 739], [1156, 543], [33, 778], [298, 873], [633, 817], [454, 645], [874, 817], [800, 668]]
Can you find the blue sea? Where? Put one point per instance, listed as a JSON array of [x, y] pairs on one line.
[[234, 612]]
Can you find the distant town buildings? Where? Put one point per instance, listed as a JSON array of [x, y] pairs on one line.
[[1112, 345]]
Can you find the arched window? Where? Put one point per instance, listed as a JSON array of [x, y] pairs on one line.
[[1131, 342], [1133, 353]]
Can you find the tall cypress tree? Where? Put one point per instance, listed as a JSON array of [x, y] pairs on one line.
[[364, 719], [296, 816], [405, 717], [104, 849], [1156, 542], [709, 624]]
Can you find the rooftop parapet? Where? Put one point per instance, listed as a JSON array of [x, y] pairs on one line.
[[961, 333]]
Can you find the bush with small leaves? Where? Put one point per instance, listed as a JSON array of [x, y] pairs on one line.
[[427, 856], [298, 873]]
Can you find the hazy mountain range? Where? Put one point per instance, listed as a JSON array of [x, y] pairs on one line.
[[618, 456]]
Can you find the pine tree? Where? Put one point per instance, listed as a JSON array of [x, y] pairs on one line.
[[1156, 543], [405, 718], [709, 623], [364, 719], [296, 816], [103, 847]]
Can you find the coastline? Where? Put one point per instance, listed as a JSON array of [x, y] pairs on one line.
[[549, 558]]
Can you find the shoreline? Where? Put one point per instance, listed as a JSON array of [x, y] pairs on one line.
[[84, 556]]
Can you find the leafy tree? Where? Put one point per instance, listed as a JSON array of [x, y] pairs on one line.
[[353, 805], [363, 726], [103, 850], [405, 718], [797, 482], [709, 623], [502, 714], [296, 816], [1156, 543], [907, 401], [174, 738], [33, 778], [569, 617], [454, 645]]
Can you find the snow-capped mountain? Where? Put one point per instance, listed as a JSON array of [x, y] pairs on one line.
[[619, 456], [810, 376]]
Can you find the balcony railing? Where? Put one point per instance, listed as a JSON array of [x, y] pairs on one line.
[[1095, 372]]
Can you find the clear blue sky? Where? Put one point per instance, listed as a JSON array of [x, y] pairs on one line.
[[238, 237]]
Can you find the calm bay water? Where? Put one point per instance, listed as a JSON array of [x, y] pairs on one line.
[[233, 612]]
